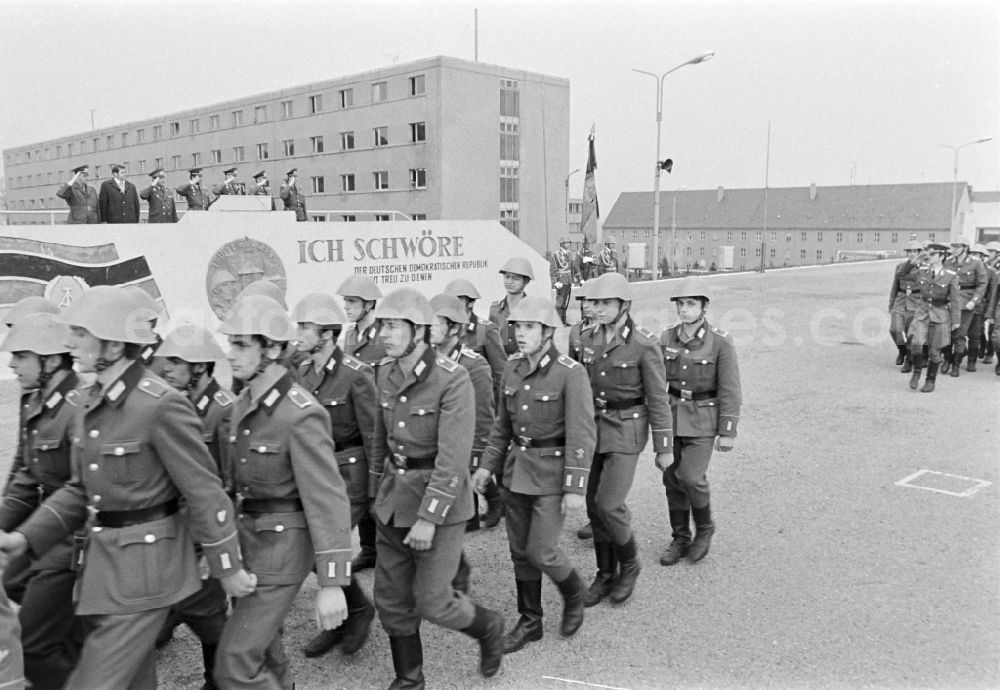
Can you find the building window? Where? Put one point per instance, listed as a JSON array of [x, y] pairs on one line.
[[729, 236], [346, 141], [788, 237], [347, 182], [878, 236], [195, 160], [286, 110], [861, 237], [382, 217], [688, 250], [237, 118], [774, 252], [111, 141], [802, 254], [701, 235], [418, 178], [509, 184], [27, 154], [819, 236], [894, 238], [418, 131], [318, 185], [803, 238], [175, 129], [349, 219], [743, 235], [760, 236], [418, 216], [417, 85], [260, 114], [346, 98], [96, 143], [141, 166], [317, 144], [382, 179], [756, 252], [380, 91], [510, 98], [238, 154], [930, 237], [157, 163], [213, 122], [216, 155], [316, 104], [509, 142], [318, 218], [509, 218], [176, 162], [774, 236], [194, 125], [59, 148], [701, 251], [140, 136], [819, 255], [840, 237], [381, 136], [288, 147], [262, 152]]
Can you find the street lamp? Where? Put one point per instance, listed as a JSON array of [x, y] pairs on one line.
[[567, 195], [954, 179], [660, 166]]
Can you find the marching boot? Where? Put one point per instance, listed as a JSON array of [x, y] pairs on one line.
[[472, 525], [704, 529], [562, 316], [461, 579], [324, 641], [907, 364], [529, 626], [996, 369], [487, 629], [628, 571], [971, 356], [407, 661], [901, 356], [360, 614], [366, 533], [607, 569], [585, 532], [572, 593], [494, 507], [932, 370], [208, 659], [918, 365], [945, 359], [955, 370], [680, 524]]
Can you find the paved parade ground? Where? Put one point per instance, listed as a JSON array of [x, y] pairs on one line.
[[857, 527]]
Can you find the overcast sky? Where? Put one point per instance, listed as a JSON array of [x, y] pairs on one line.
[[862, 89]]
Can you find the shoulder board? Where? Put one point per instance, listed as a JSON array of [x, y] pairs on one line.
[[588, 327], [470, 353], [386, 360], [153, 387], [299, 398], [73, 398], [718, 332], [516, 355], [486, 323], [223, 398], [447, 364], [642, 330], [949, 272], [568, 361], [352, 363]]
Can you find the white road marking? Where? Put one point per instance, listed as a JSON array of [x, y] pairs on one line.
[[581, 682], [977, 484]]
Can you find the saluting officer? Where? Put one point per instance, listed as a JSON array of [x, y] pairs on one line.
[[345, 387], [259, 186], [292, 196], [972, 282], [937, 317], [42, 464], [562, 270], [84, 206], [517, 273], [607, 259], [229, 186], [705, 398], [294, 514], [137, 451], [904, 297], [160, 199], [197, 198], [543, 442], [422, 492], [629, 388]]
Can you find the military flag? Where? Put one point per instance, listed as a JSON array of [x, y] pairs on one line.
[[591, 209]]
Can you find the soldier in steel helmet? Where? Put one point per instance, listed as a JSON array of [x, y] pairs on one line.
[[586, 322], [345, 387], [972, 282], [517, 273], [137, 451], [938, 316], [630, 400], [42, 464], [607, 259], [294, 514], [705, 397], [904, 297], [422, 491], [992, 332], [33, 304], [543, 441], [562, 272], [977, 338]]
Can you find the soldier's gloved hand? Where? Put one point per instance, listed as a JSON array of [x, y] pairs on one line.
[[956, 326], [481, 479], [331, 607], [724, 444], [421, 535], [13, 544], [971, 304], [239, 584], [572, 503], [663, 461], [203, 570], [558, 285]]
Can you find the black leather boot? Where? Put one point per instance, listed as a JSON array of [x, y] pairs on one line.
[[918, 365], [529, 625], [956, 365], [628, 571], [704, 529], [680, 525], [585, 532], [907, 364], [607, 570], [461, 579], [932, 370], [972, 356], [208, 659], [572, 593], [494, 507], [324, 641], [360, 614], [472, 524], [901, 356], [487, 629], [407, 661], [366, 534]]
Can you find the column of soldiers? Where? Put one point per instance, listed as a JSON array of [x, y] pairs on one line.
[[118, 200], [185, 503]]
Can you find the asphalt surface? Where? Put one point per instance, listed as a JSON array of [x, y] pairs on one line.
[[824, 572]]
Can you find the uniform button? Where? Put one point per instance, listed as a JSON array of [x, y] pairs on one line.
[[522, 428], [683, 383], [149, 538], [604, 356], [232, 439], [279, 528], [243, 461], [93, 467], [527, 387], [96, 529], [558, 453], [94, 433], [352, 460], [246, 432], [684, 366], [602, 373], [45, 446], [524, 407], [119, 451], [34, 459], [34, 432], [704, 361], [523, 448], [402, 398], [545, 397], [421, 412], [246, 489], [262, 449], [687, 351], [96, 498], [385, 404], [401, 425], [400, 471], [635, 414]]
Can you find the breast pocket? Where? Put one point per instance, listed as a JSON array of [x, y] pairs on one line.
[[423, 423], [339, 410], [626, 373], [547, 407], [265, 463], [51, 460], [672, 361], [120, 461], [704, 369]]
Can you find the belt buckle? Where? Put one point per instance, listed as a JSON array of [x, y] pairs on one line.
[[686, 394], [600, 403], [524, 440], [399, 461]]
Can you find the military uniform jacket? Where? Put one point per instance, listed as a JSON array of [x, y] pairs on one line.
[[118, 207], [904, 295], [544, 436], [427, 412], [991, 308], [482, 387], [197, 198], [345, 387], [138, 444], [704, 379], [972, 281], [161, 204], [224, 188], [83, 203], [282, 449], [483, 337], [629, 389], [259, 190], [294, 201], [364, 344], [214, 405], [940, 299], [607, 261], [561, 267], [499, 311], [575, 336], [42, 463]]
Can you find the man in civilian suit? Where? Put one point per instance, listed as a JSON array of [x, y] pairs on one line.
[[118, 199]]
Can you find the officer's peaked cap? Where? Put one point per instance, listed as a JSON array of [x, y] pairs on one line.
[[29, 305], [109, 312], [535, 309], [449, 307], [407, 304], [518, 265], [191, 343], [319, 308], [259, 315], [610, 286], [39, 333], [937, 247], [361, 287]]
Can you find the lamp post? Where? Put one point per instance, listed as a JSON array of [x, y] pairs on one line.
[[954, 179], [659, 119]]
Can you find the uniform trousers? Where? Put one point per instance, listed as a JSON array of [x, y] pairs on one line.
[[686, 480], [611, 476], [562, 294], [995, 338], [413, 585], [899, 325], [534, 524], [251, 653], [119, 652], [16, 576], [49, 628], [12, 663], [358, 512], [960, 337], [934, 335], [204, 611]]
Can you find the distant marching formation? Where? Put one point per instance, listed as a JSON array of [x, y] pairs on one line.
[[144, 495], [944, 308]]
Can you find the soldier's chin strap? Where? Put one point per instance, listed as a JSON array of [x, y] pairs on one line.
[[413, 340], [196, 376], [265, 361], [44, 375], [102, 362]]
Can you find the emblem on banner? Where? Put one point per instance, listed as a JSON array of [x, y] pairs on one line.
[[237, 264], [62, 290]]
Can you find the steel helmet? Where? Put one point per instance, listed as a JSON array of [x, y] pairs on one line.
[[460, 287], [978, 249], [609, 240], [39, 333], [534, 309], [319, 308], [144, 301], [610, 286], [190, 343], [111, 313], [259, 315], [449, 307], [266, 288], [361, 287], [407, 304], [563, 240], [914, 245], [518, 265], [581, 293], [29, 305], [960, 241], [690, 287], [993, 246]]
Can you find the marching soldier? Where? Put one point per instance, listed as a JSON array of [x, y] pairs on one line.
[[229, 186], [517, 273], [197, 198], [259, 186], [422, 492], [992, 332], [542, 441], [84, 206], [137, 452], [562, 270], [294, 514], [937, 317], [11, 658], [292, 196], [630, 398], [607, 260], [42, 464], [705, 397], [586, 322], [978, 340], [345, 387], [161, 201], [33, 304], [904, 297], [972, 282]]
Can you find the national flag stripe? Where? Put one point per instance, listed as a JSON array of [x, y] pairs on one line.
[[96, 254], [43, 268]]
